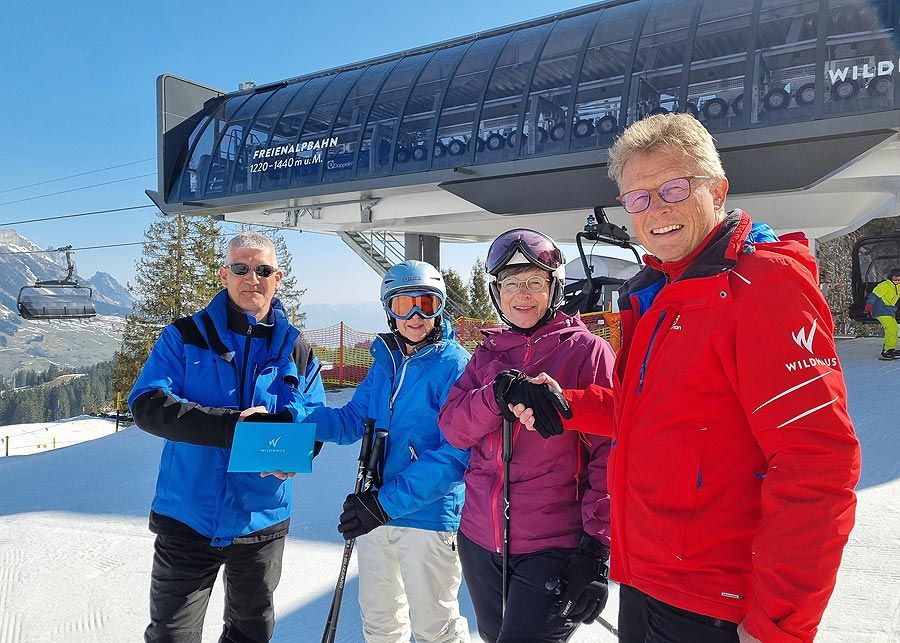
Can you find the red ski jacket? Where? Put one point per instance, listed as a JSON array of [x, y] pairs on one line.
[[734, 459]]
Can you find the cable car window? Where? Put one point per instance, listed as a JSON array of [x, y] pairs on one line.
[[257, 140], [598, 102], [461, 103], [656, 75], [285, 133], [349, 122], [719, 63], [785, 70], [415, 133], [546, 112], [500, 111], [375, 151], [314, 141], [190, 182], [860, 60], [226, 162]]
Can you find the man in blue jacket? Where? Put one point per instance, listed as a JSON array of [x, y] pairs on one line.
[[238, 358]]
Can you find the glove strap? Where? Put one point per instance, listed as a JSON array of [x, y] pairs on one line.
[[593, 547]]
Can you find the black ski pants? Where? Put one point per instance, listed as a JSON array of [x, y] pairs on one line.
[[184, 571], [643, 619], [531, 610]]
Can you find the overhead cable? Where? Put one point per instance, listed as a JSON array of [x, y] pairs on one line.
[[86, 187], [77, 214], [72, 176]]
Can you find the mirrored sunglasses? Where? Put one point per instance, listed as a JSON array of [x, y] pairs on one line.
[[672, 191], [262, 270], [405, 306]]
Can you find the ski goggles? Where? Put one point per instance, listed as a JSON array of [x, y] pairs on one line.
[[263, 270], [537, 248], [405, 305], [673, 191]]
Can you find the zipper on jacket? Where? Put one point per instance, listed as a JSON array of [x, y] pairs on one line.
[[495, 518], [246, 363], [659, 322]]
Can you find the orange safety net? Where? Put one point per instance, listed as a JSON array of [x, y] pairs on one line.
[[344, 352]]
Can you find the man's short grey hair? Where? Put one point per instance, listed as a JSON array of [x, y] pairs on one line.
[[678, 133], [252, 240]]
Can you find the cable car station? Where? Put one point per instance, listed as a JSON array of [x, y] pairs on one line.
[[460, 140]]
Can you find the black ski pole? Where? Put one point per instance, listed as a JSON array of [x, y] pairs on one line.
[[507, 447], [365, 451]]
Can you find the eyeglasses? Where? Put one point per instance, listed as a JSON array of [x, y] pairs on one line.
[[405, 306], [511, 285], [671, 192], [262, 270]]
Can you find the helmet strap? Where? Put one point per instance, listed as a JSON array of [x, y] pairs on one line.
[[433, 337]]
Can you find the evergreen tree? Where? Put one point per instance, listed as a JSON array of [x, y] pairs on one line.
[[457, 293], [177, 275], [478, 293]]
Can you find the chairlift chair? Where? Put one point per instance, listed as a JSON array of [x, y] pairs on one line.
[[872, 259], [57, 298], [582, 296]]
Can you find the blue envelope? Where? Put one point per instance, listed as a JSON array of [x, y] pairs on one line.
[[272, 446]]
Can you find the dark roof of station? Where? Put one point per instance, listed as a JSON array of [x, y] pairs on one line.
[[565, 83]]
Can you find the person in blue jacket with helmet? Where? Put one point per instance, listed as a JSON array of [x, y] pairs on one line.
[[236, 360], [409, 570]]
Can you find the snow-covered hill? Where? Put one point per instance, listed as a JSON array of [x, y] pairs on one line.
[[75, 552]]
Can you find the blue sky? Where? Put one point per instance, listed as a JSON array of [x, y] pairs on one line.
[[79, 86]]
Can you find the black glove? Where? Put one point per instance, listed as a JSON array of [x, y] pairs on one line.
[[583, 581], [503, 385], [362, 513], [513, 387]]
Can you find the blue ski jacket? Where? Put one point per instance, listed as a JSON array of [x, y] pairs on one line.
[[199, 376], [422, 483]]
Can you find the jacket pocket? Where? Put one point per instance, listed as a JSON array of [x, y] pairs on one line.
[[687, 493]]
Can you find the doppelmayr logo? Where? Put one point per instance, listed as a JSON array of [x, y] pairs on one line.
[[804, 339], [273, 444]]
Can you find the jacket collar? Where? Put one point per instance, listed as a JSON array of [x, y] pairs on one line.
[[719, 253], [386, 349], [559, 326], [214, 319]]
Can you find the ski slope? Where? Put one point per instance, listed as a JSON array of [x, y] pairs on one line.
[[75, 552]]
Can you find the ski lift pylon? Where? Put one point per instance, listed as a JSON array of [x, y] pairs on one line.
[[57, 298]]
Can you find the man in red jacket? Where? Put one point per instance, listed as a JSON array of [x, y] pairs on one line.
[[734, 459]]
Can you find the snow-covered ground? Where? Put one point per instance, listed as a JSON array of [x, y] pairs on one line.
[[75, 551]]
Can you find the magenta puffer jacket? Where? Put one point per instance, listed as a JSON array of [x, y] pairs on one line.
[[557, 486]]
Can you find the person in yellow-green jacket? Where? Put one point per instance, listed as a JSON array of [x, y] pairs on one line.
[[882, 305]]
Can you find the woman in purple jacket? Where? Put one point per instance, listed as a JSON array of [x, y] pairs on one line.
[[558, 503]]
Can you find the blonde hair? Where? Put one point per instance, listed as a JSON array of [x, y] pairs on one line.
[[679, 133]]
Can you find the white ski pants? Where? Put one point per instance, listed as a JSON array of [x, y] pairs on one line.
[[408, 583]]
